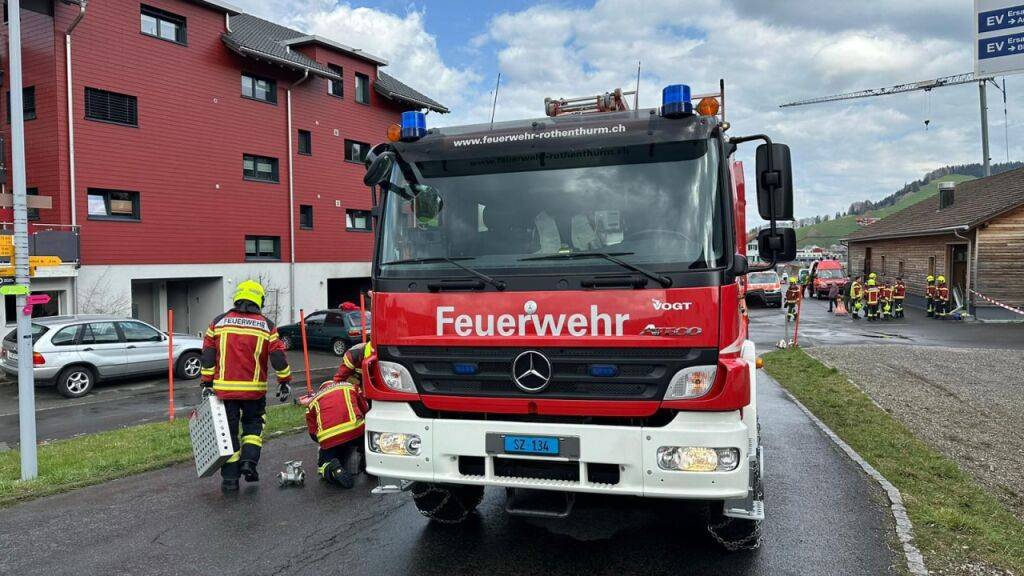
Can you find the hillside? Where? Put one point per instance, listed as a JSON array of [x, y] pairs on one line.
[[827, 233]]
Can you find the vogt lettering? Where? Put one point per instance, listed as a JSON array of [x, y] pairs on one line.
[[668, 306], [597, 323]]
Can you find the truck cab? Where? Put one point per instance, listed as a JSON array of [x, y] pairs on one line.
[[557, 310]]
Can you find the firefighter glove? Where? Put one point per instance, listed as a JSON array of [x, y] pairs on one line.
[[207, 389]]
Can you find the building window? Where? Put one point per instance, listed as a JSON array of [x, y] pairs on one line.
[[883, 266], [112, 107], [362, 88], [262, 247], [931, 265], [867, 261], [28, 102], [357, 220], [306, 216], [164, 25], [356, 151], [51, 308], [336, 87], [259, 168], [259, 88], [305, 142], [33, 213], [900, 275], [113, 205]]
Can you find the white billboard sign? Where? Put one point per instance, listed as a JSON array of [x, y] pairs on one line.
[[998, 37]]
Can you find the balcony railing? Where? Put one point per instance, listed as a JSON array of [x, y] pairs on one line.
[[60, 240]]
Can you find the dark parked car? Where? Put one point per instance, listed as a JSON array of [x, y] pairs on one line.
[[333, 329]]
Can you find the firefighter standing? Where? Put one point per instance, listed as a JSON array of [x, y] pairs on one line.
[[899, 293], [792, 297], [872, 298], [335, 419], [236, 349], [942, 297], [886, 299], [856, 298], [930, 294]]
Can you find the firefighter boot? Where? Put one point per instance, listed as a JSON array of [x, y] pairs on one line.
[[248, 471], [334, 473], [229, 485]]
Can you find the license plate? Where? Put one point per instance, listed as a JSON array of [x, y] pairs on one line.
[[545, 445]]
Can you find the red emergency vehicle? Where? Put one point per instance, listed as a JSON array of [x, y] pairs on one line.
[[558, 309], [826, 273]]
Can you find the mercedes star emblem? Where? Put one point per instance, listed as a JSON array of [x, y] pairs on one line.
[[531, 371]]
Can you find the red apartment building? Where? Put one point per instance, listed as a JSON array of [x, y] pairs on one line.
[[197, 146]]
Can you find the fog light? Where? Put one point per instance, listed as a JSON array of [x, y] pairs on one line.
[[698, 458], [394, 443]]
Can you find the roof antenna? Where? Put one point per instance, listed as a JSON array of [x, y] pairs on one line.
[[636, 93], [494, 104]]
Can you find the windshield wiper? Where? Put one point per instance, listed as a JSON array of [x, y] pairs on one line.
[[498, 284], [665, 281]]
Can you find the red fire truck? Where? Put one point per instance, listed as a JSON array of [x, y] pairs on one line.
[[558, 310]]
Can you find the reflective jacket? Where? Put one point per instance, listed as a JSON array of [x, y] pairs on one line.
[[931, 291], [792, 294], [352, 362], [336, 414], [856, 291], [236, 349], [899, 291], [943, 292], [886, 292], [872, 294]]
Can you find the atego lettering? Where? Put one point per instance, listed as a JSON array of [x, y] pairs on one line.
[[597, 323]]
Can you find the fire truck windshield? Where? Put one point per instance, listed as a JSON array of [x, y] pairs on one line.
[[652, 205]]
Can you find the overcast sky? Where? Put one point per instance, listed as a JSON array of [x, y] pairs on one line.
[[768, 51]]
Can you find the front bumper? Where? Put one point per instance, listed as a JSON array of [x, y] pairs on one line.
[[632, 449], [765, 297]]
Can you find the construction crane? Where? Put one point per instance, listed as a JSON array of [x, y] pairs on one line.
[[927, 86]]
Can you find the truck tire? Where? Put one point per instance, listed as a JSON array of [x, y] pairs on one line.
[[446, 503]]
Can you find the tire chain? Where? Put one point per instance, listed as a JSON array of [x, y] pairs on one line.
[[751, 541], [432, 513]]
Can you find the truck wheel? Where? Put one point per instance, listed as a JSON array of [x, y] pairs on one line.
[[733, 533], [446, 503]]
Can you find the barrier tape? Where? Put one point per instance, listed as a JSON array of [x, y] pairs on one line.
[[997, 303]]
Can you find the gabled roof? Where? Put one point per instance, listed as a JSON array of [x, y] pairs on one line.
[[259, 38], [393, 89], [974, 203]]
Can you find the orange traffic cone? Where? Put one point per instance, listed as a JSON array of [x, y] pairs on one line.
[[840, 308]]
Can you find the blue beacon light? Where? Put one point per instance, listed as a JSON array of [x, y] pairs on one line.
[[675, 101], [414, 125]]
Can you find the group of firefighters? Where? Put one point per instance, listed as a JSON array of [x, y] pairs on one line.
[[237, 348], [879, 300]]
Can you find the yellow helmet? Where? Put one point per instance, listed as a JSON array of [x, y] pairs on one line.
[[942, 278], [871, 282], [872, 276], [931, 278], [792, 279], [250, 291]]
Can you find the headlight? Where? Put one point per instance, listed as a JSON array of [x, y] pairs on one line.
[[698, 458], [394, 443], [692, 382], [396, 376]]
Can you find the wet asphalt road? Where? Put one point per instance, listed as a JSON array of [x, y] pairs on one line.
[[824, 516], [120, 403]]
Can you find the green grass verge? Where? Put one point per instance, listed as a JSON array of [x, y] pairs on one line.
[[954, 518], [95, 458], [828, 233]]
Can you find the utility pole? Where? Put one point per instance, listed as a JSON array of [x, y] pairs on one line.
[[984, 128], [26, 383]]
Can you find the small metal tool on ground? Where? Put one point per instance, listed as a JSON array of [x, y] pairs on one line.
[[293, 474]]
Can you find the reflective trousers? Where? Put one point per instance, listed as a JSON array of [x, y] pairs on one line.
[[898, 308], [790, 311], [246, 419], [931, 306]]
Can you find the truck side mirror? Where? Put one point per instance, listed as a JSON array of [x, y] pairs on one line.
[[778, 247], [774, 182], [378, 169]]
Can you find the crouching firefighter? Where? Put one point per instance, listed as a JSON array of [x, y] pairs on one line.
[[236, 349], [335, 419]]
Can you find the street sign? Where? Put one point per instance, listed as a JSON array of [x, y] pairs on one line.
[[6, 281], [44, 261], [13, 290], [998, 37]]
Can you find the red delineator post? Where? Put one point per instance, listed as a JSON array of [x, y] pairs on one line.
[[170, 365]]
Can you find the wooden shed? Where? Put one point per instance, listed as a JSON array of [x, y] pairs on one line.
[[971, 232]]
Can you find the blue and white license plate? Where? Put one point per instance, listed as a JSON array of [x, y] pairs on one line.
[[543, 445]]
